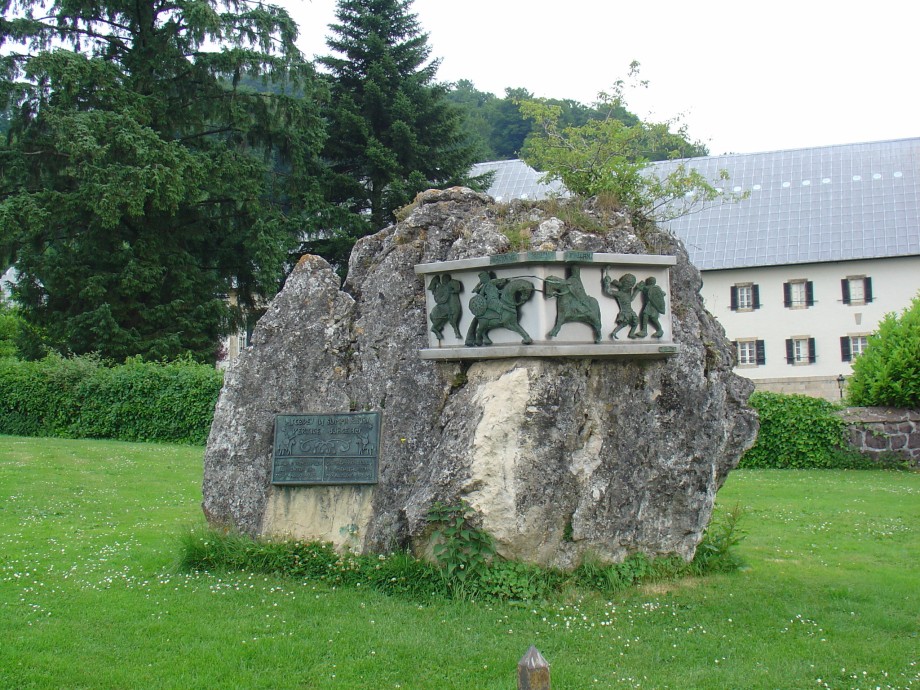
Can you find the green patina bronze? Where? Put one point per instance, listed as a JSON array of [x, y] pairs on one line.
[[447, 309], [623, 290], [496, 302], [652, 307], [584, 257], [504, 259], [494, 305], [573, 304], [326, 448]]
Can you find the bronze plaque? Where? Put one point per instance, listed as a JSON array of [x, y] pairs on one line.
[[326, 448]]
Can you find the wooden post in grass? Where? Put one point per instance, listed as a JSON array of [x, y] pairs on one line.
[[533, 671]]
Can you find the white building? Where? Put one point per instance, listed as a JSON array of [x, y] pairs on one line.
[[800, 272]]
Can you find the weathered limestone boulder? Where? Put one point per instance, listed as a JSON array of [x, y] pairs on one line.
[[559, 457]]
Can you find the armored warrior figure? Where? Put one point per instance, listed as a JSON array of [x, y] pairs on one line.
[[652, 307], [447, 309]]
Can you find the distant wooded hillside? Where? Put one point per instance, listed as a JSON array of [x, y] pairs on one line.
[[497, 130]]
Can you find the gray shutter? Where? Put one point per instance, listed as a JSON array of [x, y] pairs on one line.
[[846, 354]]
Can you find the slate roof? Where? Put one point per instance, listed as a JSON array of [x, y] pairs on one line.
[[516, 180], [833, 203]]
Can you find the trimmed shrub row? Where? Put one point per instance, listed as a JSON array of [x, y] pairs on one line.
[[80, 397]]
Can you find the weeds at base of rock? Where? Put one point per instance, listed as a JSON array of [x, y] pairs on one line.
[[467, 567]]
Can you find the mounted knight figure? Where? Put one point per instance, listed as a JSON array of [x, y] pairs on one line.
[[573, 304], [495, 304]]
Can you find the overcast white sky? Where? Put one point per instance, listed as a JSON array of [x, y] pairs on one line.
[[746, 76]]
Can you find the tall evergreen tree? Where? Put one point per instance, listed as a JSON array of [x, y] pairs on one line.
[[140, 182], [392, 131]]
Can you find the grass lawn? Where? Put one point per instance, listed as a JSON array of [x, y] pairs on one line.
[[90, 596]]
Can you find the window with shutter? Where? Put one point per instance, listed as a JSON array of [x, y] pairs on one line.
[[846, 354], [798, 294], [856, 290], [858, 345], [747, 353], [800, 350], [744, 297]]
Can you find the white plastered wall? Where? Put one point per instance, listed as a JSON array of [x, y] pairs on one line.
[[895, 282]]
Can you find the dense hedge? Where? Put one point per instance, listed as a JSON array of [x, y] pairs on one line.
[[888, 372], [82, 398], [797, 431]]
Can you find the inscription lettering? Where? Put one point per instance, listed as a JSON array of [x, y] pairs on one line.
[[347, 470], [504, 258], [579, 256], [326, 449]]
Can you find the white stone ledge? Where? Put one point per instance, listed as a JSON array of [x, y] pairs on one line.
[[567, 257], [601, 351]]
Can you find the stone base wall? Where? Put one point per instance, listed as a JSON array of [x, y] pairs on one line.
[[816, 386], [884, 430]]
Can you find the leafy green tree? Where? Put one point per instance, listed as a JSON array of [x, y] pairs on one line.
[[608, 155], [495, 125], [477, 107], [888, 371], [141, 182], [9, 330], [510, 128], [501, 131], [393, 133]]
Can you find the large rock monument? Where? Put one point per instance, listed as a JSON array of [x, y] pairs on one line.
[[485, 371]]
